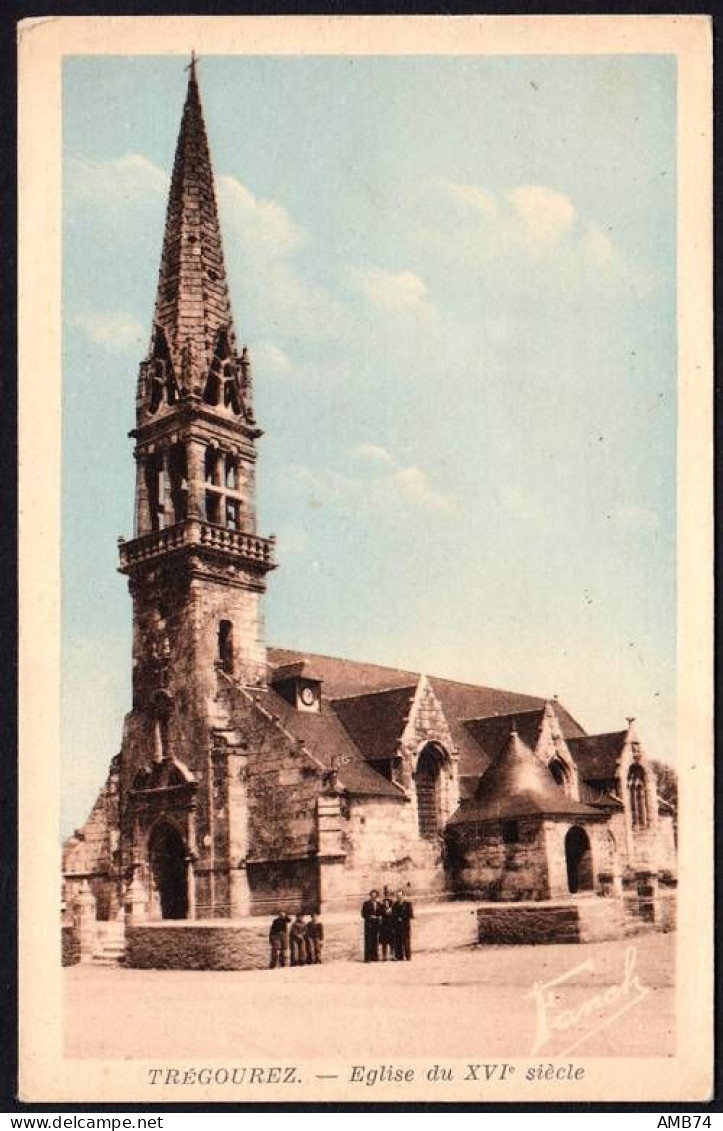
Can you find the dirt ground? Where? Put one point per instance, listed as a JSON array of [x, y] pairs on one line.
[[609, 1000]]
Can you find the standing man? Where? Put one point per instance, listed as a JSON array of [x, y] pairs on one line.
[[297, 941], [314, 938], [371, 913], [402, 915], [279, 940]]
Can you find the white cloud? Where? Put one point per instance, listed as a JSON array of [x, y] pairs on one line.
[[260, 224], [405, 485], [374, 453], [469, 196], [527, 225], [121, 180], [388, 291], [544, 213], [413, 484], [114, 329], [268, 358]]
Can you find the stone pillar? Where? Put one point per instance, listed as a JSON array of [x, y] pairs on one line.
[[331, 857], [240, 892], [136, 900], [191, 887], [238, 834], [648, 901], [86, 922], [196, 479], [143, 513]]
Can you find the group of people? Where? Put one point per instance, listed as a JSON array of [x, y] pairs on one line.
[[387, 931], [387, 927], [301, 942]]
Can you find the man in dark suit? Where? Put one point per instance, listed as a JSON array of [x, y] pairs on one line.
[[371, 913], [402, 915], [279, 940]]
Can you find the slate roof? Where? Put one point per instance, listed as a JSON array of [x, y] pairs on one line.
[[325, 739], [516, 785], [369, 705], [597, 755], [375, 722], [461, 702], [492, 733]]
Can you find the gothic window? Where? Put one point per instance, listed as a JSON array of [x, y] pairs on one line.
[[427, 785], [178, 482], [231, 473], [225, 645], [230, 389], [212, 392], [213, 508], [156, 486], [638, 797], [233, 514], [212, 470], [161, 379]]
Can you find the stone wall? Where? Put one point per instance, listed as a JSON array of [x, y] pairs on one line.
[[575, 921], [89, 854], [70, 946], [380, 837], [491, 864], [244, 945]]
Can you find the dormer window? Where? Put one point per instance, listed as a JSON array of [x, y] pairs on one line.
[[299, 687]]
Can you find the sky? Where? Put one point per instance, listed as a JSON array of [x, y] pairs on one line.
[[456, 279]]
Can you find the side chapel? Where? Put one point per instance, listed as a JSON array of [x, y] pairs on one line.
[[251, 778]]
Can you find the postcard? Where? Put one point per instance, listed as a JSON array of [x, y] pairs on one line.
[[366, 559]]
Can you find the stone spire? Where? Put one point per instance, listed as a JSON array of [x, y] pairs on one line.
[[193, 308]]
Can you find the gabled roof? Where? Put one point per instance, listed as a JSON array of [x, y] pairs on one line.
[[516, 785], [492, 733], [326, 740], [375, 722], [345, 679], [597, 755]]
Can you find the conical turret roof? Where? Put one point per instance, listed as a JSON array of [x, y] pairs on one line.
[[518, 784], [192, 303]]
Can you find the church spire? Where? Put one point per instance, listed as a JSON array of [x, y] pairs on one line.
[[192, 317]]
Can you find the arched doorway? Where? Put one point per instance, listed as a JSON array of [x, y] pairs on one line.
[[426, 781], [168, 870], [579, 860]]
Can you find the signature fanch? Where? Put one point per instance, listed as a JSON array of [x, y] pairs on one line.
[[591, 1014]]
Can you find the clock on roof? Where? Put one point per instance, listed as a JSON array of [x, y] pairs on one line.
[[308, 697]]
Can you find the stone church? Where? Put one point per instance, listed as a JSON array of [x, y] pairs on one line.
[[252, 778]]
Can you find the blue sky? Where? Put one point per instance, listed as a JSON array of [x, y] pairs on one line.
[[456, 277]]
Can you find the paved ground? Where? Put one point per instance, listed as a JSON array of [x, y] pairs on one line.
[[462, 1003]]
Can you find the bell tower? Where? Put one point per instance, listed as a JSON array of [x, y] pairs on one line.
[[196, 566]]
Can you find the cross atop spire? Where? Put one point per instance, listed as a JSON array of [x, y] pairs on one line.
[[193, 307]]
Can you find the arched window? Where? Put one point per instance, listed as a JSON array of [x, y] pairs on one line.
[[225, 645], [558, 771], [178, 482], [637, 793], [427, 786]]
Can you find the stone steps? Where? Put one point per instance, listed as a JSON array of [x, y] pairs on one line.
[[110, 947]]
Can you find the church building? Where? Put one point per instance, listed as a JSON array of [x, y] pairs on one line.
[[252, 778]]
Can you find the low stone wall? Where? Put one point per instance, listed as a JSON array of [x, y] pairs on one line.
[[243, 944], [574, 921], [70, 946]]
